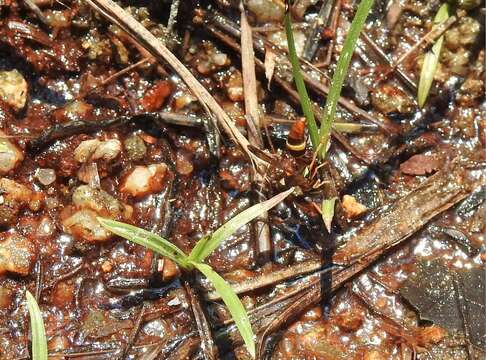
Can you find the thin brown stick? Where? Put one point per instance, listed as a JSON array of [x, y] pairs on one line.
[[152, 353], [207, 343], [314, 33], [36, 10], [429, 38], [334, 24], [304, 284], [383, 57], [112, 77], [386, 313], [261, 230], [249, 78], [186, 42], [184, 349], [30, 32], [132, 27], [290, 313], [133, 334], [73, 355], [378, 281], [274, 277], [174, 10], [269, 138], [62, 277], [343, 127]]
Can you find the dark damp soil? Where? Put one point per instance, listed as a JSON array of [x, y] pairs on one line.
[[81, 140]]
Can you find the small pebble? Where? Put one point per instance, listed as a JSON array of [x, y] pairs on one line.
[[45, 176], [13, 89]]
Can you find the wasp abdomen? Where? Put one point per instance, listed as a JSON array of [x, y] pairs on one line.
[[296, 138]]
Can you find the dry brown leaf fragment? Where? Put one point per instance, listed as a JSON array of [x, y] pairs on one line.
[[269, 64], [420, 164], [455, 301], [352, 207], [168, 269]]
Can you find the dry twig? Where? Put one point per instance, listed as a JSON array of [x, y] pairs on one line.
[[207, 343], [260, 227]]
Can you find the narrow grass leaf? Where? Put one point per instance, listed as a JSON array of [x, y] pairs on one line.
[[327, 211], [196, 251], [431, 59], [244, 217], [341, 71], [305, 102], [39, 341], [233, 303], [145, 238], [353, 128]]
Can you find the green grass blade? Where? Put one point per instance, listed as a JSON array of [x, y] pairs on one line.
[[327, 211], [233, 303], [305, 102], [145, 238], [39, 341], [431, 59], [341, 71], [244, 217], [196, 252]]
